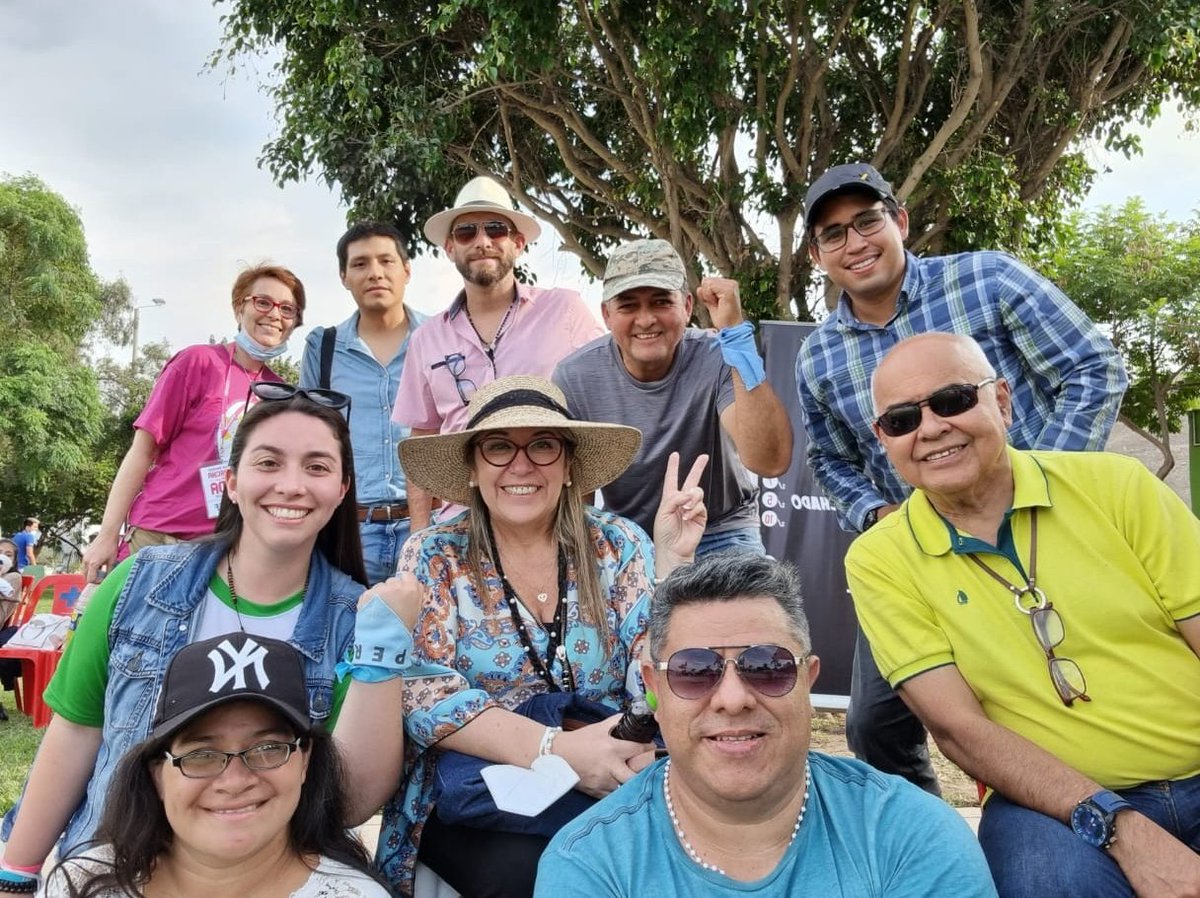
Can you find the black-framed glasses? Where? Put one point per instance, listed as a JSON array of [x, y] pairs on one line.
[[696, 672], [947, 402], [499, 451], [466, 232], [206, 763], [866, 223], [456, 364], [270, 391], [1066, 674], [264, 304]]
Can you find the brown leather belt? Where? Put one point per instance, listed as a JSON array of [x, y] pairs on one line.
[[382, 514]]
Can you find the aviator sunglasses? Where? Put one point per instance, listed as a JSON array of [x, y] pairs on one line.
[[269, 391], [694, 673], [467, 231], [947, 402]]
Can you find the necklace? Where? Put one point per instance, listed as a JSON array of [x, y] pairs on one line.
[[687, 846], [233, 594], [490, 348]]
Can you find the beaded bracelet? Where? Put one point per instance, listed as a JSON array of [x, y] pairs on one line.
[[382, 648], [741, 354], [546, 746]]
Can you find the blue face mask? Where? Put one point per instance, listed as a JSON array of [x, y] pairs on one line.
[[256, 350]]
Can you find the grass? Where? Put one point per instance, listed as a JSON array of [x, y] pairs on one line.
[[18, 742]]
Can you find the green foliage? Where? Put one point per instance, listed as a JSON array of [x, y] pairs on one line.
[[1139, 275], [18, 744], [703, 123]]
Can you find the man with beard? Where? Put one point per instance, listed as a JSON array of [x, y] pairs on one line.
[[494, 327]]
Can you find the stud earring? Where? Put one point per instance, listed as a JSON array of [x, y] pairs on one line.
[[471, 484], [568, 483]]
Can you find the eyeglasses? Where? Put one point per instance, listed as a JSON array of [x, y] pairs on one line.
[[456, 364], [467, 231], [946, 403], [264, 304], [205, 763], [1064, 673], [696, 672], [269, 391], [865, 223], [500, 451]]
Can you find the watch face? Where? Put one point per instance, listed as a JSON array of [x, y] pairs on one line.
[[1089, 824]]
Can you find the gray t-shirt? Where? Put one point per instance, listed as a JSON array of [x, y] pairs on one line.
[[680, 413]]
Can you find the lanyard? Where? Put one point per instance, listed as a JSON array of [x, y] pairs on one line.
[[1031, 588]]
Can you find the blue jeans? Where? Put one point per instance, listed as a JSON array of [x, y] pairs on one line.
[[381, 544], [1032, 854], [744, 539]]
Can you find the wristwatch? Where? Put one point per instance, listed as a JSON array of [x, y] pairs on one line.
[[870, 519], [1093, 818]]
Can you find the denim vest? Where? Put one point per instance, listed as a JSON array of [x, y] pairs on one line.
[[153, 619]]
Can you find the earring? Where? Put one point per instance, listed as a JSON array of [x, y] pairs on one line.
[[471, 484], [568, 483]]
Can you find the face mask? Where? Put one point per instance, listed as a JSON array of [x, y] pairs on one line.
[[256, 350], [5, 564]]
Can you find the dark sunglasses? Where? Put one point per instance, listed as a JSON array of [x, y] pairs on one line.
[[945, 403], [467, 231], [696, 672], [268, 391]]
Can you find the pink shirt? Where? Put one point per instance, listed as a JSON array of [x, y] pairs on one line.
[[192, 414], [446, 362]]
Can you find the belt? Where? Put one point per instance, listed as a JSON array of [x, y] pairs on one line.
[[381, 514]]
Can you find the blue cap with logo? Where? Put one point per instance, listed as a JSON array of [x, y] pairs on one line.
[[852, 177]]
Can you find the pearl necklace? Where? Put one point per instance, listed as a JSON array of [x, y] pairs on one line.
[[687, 846]]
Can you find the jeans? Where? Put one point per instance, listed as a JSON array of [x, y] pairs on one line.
[[880, 728], [744, 539], [1031, 854], [381, 544]]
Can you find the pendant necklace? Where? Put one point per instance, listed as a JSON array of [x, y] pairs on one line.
[[233, 594], [490, 348]]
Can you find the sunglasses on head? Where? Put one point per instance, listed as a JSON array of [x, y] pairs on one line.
[[768, 669], [467, 231], [268, 391], [947, 402]]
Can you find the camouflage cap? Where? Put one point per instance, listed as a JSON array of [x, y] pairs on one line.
[[644, 263]]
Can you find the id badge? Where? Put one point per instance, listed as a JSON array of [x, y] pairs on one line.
[[212, 481]]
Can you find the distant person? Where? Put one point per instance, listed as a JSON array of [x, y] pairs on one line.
[[743, 806], [1040, 611], [26, 540], [235, 792], [1067, 383], [493, 328], [169, 485], [363, 357], [10, 597], [687, 390]]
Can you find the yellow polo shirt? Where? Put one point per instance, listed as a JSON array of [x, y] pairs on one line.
[[1118, 556]]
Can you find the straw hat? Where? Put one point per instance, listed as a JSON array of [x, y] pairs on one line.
[[481, 194], [438, 463]]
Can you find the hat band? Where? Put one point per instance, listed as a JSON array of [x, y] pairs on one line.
[[517, 398]]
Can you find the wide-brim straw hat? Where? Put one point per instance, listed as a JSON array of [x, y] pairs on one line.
[[601, 454], [482, 194]]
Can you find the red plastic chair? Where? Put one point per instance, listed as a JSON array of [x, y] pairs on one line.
[[38, 665], [66, 589]]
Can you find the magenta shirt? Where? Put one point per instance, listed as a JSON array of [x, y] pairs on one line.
[[192, 414], [546, 326]]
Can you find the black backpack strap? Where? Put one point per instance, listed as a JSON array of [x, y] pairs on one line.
[[328, 338]]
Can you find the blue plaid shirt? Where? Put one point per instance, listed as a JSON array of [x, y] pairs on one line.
[[1067, 379]]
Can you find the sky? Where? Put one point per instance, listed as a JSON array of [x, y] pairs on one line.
[[111, 105]]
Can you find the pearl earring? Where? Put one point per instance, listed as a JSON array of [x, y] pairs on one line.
[[471, 484]]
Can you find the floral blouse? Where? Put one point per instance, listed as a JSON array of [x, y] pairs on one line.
[[469, 657]]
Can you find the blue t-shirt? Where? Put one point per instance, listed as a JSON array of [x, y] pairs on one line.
[[24, 541], [864, 834]]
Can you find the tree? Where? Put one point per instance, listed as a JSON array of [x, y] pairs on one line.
[[1139, 275], [703, 123]]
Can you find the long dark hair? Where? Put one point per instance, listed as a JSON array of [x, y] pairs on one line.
[[135, 826], [338, 540]]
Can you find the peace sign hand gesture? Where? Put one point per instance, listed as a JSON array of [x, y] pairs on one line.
[[681, 518]]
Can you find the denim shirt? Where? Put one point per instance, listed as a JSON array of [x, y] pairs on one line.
[[153, 619], [372, 389]]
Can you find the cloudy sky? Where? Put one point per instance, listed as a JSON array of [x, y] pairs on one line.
[[110, 104]]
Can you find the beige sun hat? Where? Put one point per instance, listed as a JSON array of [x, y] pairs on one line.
[[439, 463], [482, 194]]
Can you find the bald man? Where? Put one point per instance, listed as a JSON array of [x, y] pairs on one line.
[[1040, 612]]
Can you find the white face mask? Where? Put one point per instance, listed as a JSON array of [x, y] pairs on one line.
[[6, 563]]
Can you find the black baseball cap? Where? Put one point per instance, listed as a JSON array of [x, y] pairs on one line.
[[854, 176], [234, 667]]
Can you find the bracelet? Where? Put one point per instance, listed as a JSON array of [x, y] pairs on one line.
[[740, 353], [382, 648], [16, 882], [546, 746]]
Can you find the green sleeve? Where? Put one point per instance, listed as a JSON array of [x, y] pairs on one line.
[[76, 691]]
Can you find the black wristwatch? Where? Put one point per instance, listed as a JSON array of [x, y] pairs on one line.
[[1093, 818], [871, 518]]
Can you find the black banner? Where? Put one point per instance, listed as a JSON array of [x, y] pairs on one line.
[[799, 524]]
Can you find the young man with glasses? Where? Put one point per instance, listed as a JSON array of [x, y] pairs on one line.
[[1040, 611], [493, 328], [364, 358], [1066, 378], [742, 804]]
